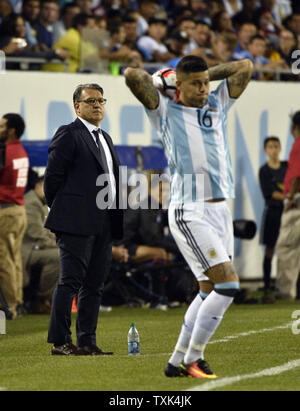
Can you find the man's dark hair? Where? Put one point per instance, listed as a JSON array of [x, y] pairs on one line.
[[257, 37], [191, 64], [271, 138], [296, 119], [78, 91], [81, 20], [16, 122]]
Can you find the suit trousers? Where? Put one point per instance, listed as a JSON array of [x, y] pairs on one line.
[[13, 223], [84, 266]]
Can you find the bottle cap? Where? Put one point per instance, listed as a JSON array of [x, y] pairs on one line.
[[132, 325]]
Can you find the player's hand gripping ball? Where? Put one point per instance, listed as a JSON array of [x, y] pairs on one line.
[[165, 81]]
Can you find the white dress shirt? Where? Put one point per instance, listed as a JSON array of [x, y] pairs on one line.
[[109, 160]]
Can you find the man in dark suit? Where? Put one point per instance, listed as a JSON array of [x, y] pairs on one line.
[[85, 222]]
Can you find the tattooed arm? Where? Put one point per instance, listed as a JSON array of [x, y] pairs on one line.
[[238, 74], [140, 83]]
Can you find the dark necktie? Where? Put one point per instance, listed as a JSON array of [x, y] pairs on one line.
[[101, 151]]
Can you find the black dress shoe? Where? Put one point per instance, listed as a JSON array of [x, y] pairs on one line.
[[94, 350], [67, 349]]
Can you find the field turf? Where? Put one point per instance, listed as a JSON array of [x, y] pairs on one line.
[[250, 340]]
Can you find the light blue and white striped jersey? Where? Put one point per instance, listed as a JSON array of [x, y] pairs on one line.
[[196, 146]]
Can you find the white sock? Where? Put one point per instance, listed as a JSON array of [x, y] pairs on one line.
[[186, 332], [209, 316]]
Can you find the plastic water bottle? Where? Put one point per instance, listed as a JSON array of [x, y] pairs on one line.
[[133, 340]]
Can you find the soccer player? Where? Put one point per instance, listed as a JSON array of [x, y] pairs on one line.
[[193, 132]]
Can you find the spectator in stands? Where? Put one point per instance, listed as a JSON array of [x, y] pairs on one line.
[[246, 15], [68, 12], [13, 181], [279, 8], [295, 21], [12, 34], [271, 178], [287, 44], [177, 43], [85, 6], [153, 43], [13, 42], [5, 9], [222, 23], [245, 32], [213, 8], [201, 44], [288, 245], [199, 8], [72, 43], [30, 13], [146, 10], [256, 53], [39, 252], [131, 36], [232, 7], [223, 46], [266, 25], [49, 14], [199, 36], [117, 50]]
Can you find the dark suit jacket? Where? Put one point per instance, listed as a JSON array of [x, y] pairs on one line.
[[70, 183]]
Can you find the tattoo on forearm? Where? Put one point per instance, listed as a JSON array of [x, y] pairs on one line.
[[223, 71], [140, 83]]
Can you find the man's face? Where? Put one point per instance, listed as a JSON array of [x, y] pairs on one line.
[[148, 9], [50, 12], [200, 34], [257, 47], [295, 23], [157, 31], [93, 113], [3, 130], [189, 26], [193, 88], [273, 149], [246, 32], [130, 30], [31, 10]]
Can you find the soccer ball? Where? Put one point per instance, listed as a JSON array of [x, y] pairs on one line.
[[165, 79]]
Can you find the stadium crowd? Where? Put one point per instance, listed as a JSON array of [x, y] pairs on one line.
[[87, 35]]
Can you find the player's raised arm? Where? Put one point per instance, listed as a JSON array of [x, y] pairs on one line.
[[238, 74], [141, 85]]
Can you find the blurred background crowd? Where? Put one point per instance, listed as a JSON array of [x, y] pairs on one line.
[[103, 35]]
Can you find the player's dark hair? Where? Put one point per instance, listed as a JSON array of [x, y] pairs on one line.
[[271, 138], [191, 64], [16, 122], [78, 91], [296, 119]]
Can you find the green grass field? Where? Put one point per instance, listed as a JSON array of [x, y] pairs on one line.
[[251, 338]]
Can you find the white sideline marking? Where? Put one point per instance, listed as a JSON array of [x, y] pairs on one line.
[[231, 380], [251, 332]]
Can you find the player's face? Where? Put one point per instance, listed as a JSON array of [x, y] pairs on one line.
[[193, 88], [93, 113], [273, 149]]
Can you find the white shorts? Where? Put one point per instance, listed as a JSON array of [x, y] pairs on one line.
[[203, 233]]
